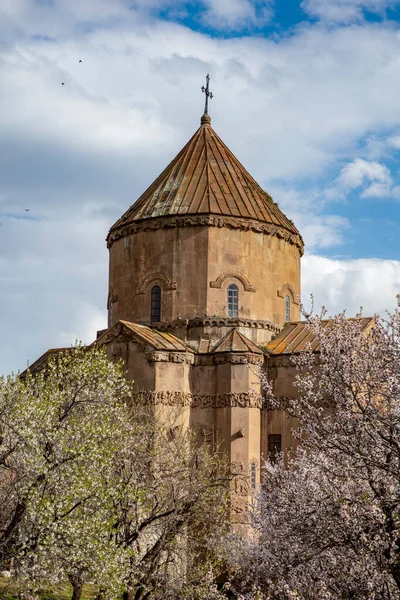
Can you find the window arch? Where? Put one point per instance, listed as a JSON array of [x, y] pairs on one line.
[[233, 301], [155, 315], [287, 308]]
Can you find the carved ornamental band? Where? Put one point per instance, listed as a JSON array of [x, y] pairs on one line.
[[208, 220], [234, 275], [167, 398], [287, 288], [164, 280]]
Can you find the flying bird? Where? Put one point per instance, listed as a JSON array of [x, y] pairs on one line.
[[80, 61], [63, 83], [27, 210]]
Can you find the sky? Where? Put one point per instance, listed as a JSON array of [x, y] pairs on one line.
[[306, 95]]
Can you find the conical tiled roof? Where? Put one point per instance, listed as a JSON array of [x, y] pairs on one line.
[[205, 178]]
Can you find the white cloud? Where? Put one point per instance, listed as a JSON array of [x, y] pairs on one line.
[[53, 285], [321, 231], [307, 210], [292, 110], [233, 14], [356, 173], [345, 11], [377, 190], [303, 100], [375, 178], [350, 284]]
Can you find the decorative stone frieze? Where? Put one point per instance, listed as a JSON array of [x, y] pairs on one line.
[[245, 358], [280, 402], [238, 359], [174, 357], [288, 360], [286, 402], [280, 360], [178, 398], [233, 275], [216, 322], [205, 220]]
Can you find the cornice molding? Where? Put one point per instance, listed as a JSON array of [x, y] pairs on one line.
[[215, 322], [156, 223], [170, 356]]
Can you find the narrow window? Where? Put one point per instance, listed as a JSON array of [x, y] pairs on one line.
[[287, 308], [233, 301], [253, 476], [155, 304], [274, 446]]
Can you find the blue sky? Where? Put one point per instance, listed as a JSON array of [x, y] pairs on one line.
[[306, 94]]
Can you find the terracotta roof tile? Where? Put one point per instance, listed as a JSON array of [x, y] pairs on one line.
[[234, 341], [159, 340], [295, 337], [206, 178]]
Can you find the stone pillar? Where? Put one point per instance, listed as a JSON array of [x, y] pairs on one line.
[[239, 425]]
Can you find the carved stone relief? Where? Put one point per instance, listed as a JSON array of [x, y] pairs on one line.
[[240, 491], [207, 433], [233, 274], [170, 398], [238, 359], [288, 288], [239, 507], [241, 485], [211, 221], [165, 281], [217, 322], [175, 357], [236, 467]]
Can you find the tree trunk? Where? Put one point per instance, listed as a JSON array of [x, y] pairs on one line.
[[77, 584]]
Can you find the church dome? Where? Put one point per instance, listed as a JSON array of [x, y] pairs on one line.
[[206, 178], [205, 249]]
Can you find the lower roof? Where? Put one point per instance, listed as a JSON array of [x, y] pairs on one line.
[[296, 337]]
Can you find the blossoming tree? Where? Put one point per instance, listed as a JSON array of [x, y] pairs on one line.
[[327, 520], [93, 488]]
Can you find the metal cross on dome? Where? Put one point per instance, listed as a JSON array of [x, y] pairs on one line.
[[207, 92]]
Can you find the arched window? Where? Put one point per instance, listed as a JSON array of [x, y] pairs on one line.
[[155, 316], [287, 308], [233, 301]]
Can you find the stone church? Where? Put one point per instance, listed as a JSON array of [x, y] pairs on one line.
[[204, 285]]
